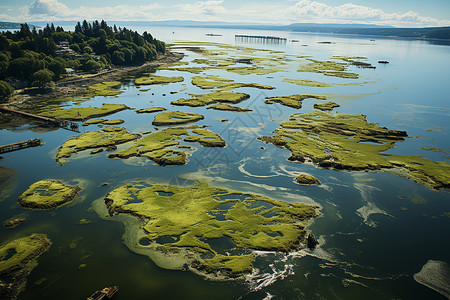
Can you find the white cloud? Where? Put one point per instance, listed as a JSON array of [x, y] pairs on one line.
[[54, 10], [208, 9], [313, 11]]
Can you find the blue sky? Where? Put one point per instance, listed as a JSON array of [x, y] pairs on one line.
[[404, 13]]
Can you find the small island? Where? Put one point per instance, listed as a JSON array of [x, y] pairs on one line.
[[48, 194]]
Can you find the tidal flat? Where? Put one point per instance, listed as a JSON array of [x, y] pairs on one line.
[[274, 201]]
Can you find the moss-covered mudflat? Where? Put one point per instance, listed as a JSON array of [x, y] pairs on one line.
[[307, 82], [107, 88], [83, 113], [211, 98], [107, 137], [193, 217], [103, 122], [176, 117], [48, 194], [17, 259], [326, 106], [306, 179], [349, 142], [328, 68], [223, 84], [294, 101], [150, 110], [159, 146], [155, 79], [228, 107]]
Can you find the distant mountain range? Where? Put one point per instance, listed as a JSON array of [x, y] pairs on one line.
[[358, 29]]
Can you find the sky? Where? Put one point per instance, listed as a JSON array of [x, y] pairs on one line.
[[400, 13]]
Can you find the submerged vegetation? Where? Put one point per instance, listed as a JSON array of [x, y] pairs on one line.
[[349, 142], [195, 215], [48, 194]]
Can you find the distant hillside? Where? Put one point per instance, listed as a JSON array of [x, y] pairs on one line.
[[428, 33], [10, 25]]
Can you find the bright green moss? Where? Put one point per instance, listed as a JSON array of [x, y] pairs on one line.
[[17, 259], [326, 106], [341, 74], [156, 146], [83, 113], [306, 82], [328, 68], [154, 79], [107, 88], [306, 179], [108, 136], [228, 107], [349, 142], [201, 213], [211, 98], [48, 194], [223, 84], [294, 101], [175, 117], [150, 110], [93, 122], [113, 122]]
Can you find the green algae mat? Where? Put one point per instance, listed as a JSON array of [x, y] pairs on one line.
[[83, 113], [107, 137], [224, 84], [17, 259], [194, 216], [176, 117], [294, 101], [48, 194], [158, 146], [349, 142], [211, 98], [155, 79]]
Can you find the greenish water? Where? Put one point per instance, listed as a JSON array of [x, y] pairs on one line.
[[371, 240]]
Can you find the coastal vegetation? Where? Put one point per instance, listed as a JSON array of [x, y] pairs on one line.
[[349, 142], [17, 259], [211, 98], [294, 101], [196, 215], [48, 194], [39, 57]]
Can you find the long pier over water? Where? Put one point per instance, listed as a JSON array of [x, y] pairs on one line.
[[259, 39]]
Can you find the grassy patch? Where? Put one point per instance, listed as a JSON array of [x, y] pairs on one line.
[[307, 82], [17, 259], [211, 98], [159, 146], [200, 213], [155, 79], [107, 137], [326, 106], [228, 107], [83, 113], [150, 110], [223, 84], [48, 194], [176, 117], [349, 142], [294, 101]]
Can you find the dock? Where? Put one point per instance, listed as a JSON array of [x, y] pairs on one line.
[[259, 39], [107, 292], [20, 145], [65, 124]]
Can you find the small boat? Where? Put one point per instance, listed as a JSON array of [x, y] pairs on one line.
[[213, 34], [107, 292], [294, 41], [383, 62]]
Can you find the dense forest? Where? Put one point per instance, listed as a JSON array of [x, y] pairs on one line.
[[31, 57]]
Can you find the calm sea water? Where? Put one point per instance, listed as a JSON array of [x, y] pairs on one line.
[[372, 241]]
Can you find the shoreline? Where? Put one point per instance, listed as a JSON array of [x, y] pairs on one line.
[[23, 99]]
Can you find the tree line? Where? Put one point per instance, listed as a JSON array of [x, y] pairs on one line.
[[39, 58]]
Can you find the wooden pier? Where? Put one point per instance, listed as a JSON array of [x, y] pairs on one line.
[[260, 39], [65, 124], [20, 145]]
